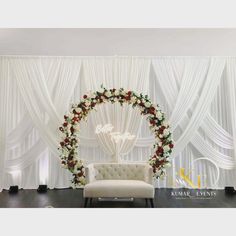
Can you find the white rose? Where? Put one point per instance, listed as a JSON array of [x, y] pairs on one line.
[[138, 101], [167, 165], [78, 109], [117, 92], [147, 104], [65, 152], [133, 99], [78, 164], [82, 180], [166, 148], [159, 115], [108, 93], [93, 95], [166, 132], [70, 115], [87, 103], [123, 93], [76, 127], [164, 123], [75, 171]]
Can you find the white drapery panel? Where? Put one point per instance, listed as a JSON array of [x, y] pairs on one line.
[[48, 85], [204, 93], [197, 94], [32, 82]]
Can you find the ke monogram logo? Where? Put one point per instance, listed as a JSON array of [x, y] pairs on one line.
[[187, 179]]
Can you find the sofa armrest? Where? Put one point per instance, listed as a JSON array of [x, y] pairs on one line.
[[148, 174], [89, 173]]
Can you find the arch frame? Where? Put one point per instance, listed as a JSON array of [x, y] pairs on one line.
[[69, 130]]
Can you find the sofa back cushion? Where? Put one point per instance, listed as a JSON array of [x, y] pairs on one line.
[[115, 171]]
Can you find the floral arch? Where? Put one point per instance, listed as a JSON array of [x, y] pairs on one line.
[[69, 144]]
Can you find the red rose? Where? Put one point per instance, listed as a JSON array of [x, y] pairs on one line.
[[152, 122], [80, 174], [65, 124], [152, 110], [70, 164], [75, 119], [65, 117], [85, 96], [66, 140], [161, 129], [171, 145], [62, 144], [159, 150], [129, 93]]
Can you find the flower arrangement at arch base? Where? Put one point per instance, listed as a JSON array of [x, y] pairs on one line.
[[69, 144]]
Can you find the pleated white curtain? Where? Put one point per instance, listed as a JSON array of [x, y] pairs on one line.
[[197, 84], [196, 93]]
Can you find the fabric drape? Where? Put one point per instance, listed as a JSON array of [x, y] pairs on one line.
[[196, 93]]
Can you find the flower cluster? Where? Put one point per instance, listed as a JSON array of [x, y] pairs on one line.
[[70, 128]]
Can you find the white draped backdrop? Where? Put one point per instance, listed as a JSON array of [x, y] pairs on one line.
[[196, 93]]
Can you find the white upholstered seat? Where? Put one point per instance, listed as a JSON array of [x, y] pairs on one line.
[[119, 188]]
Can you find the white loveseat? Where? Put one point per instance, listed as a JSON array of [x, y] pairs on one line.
[[115, 180]]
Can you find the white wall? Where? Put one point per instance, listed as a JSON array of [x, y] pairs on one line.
[[103, 42]]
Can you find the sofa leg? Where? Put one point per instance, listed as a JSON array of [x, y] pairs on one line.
[[90, 202], [85, 202], [146, 202], [152, 202]]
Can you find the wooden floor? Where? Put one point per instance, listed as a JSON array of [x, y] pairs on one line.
[[73, 198]]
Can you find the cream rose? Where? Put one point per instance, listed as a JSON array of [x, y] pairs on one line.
[[159, 115], [78, 109], [133, 99], [166, 148], [147, 104], [108, 93]]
